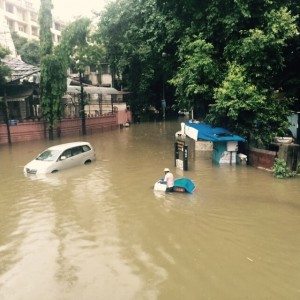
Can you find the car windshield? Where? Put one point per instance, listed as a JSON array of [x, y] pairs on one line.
[[49, 155]]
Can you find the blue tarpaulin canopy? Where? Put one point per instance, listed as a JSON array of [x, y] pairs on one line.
[[213, 134], [185, 183]]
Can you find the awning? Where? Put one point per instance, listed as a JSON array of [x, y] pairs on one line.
[[15, 99], [72, 89], [20, 69], [19, 93], [203, 131]]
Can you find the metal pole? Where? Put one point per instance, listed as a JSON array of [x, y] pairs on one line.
[[176, 153], [164, 88], [112, 103], [7, 116], [164, 55], [82, 112]]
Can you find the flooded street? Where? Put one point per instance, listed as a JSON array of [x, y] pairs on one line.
[[100, 232]]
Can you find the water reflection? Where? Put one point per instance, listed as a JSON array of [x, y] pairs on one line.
[[101, 231]]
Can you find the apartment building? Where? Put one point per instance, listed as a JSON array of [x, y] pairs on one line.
[[22, 17]]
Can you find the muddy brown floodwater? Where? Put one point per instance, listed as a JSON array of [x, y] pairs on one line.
[[100, 232]]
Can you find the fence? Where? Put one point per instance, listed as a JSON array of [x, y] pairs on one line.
[[35, 130]]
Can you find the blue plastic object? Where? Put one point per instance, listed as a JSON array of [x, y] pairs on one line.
[[185, 183]]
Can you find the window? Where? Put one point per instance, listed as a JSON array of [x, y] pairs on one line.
[[86, 148], [33, 17], [9, 8], [21, 14], [48, 155], [11, 25], [66, 153], [34, 31], [28, 4], [76, 150], [57, 26], [105, 69]]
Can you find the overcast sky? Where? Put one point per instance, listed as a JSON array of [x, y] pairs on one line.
[[67, 9]]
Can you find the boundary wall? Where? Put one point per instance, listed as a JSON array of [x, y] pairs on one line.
[[35, 130]]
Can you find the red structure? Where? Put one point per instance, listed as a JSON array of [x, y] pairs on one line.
[[34, 130], [260, 158]]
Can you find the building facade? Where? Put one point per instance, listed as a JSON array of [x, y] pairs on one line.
[[21, 16]]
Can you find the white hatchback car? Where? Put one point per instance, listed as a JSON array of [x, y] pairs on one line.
[[61, 157]]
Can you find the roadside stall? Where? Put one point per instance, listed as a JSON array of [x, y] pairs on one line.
[[224, 144]]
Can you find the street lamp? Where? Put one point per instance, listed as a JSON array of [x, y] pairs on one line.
[[163, 101]]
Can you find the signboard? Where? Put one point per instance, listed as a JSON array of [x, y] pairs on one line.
[[181, 155], [179, 164]]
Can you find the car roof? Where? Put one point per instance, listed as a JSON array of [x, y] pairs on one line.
[[68, 145]]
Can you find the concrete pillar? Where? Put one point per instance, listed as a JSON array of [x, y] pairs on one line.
[[291, 154]]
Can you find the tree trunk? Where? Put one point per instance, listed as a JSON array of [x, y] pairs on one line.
[[50, 131]]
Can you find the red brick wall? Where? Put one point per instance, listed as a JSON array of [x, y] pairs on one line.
[[28, 131], [22, 132], [262, 158], [124, 117]]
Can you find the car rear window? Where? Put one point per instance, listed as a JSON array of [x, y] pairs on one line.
[[86, 148]]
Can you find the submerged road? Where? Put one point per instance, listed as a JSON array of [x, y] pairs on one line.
[[100, 232]]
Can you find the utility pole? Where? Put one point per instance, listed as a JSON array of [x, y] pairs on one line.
[[6, 116], [82, 111]]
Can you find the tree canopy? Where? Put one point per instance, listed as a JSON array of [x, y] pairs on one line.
[[79, 46], [234, 62], [53, 71], [29, 50], [4, 70], [45, 22]]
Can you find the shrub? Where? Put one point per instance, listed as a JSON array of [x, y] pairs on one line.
[[281, 170]]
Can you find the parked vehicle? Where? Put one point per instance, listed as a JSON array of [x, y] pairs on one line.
[[61, 157]]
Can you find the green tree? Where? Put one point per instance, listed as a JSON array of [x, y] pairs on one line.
[[245, 109], [260, 50], [4, 70], [53, 85], [30, 53], [254, 45], [207, 42], [28, 50], [78, 45], [135, 35], [246, 100], [196, 78], [79, 50], [45, 22], [53, 71], [19, 41]]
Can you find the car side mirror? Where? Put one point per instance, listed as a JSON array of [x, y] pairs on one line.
[[63, 157]]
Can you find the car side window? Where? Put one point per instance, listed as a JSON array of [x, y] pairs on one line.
[[76, 150], [67, 153], [86, 148]]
